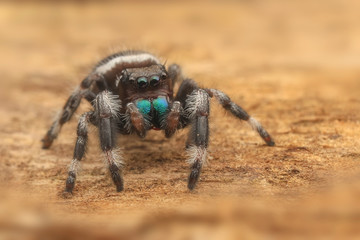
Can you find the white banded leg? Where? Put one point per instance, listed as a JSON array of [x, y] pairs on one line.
[[240, 113], [198, 109], [107, 109], [79, 151], [69, 108]]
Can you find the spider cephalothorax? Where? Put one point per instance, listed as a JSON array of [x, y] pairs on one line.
[[132, 92]]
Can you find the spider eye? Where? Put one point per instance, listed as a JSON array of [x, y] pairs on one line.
[[131, 80], [154, 81], [142, 82], [163, 76]]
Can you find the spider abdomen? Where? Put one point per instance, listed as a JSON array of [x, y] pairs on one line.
[[126, 59]]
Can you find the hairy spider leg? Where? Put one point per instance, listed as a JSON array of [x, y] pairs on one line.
[[240, 113], [69, 108], [195, 101], [197, 110], [175, 119], [107, 107], [185, 89], [175, 74], [80, 149]]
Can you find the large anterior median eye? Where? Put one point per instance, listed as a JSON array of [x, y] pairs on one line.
[[142, 82], [154, 81]]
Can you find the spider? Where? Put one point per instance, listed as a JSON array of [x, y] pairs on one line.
[[132, 92]]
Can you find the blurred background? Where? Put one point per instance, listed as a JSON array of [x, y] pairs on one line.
[[294, 65]]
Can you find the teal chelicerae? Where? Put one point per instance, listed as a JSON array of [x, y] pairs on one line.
[[159, 104], [144, 106]]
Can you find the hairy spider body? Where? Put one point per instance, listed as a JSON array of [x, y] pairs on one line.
[[132, 92]]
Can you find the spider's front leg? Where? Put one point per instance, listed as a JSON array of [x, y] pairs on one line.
[[175, 118], [107, 107], [197, 110]]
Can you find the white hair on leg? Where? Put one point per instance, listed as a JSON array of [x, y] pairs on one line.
[[55, 129], [194, 102], [255, 125], [83, 121], [74, 166], [127, 119], [196, 153], [114, 103], [191, 105], [114, 156]]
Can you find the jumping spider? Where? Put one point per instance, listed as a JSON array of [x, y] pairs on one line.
[[132, 92]]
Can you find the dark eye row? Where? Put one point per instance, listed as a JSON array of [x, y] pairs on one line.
[[143, 82]]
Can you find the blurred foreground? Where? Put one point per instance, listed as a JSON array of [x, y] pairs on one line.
[[334, 215]]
